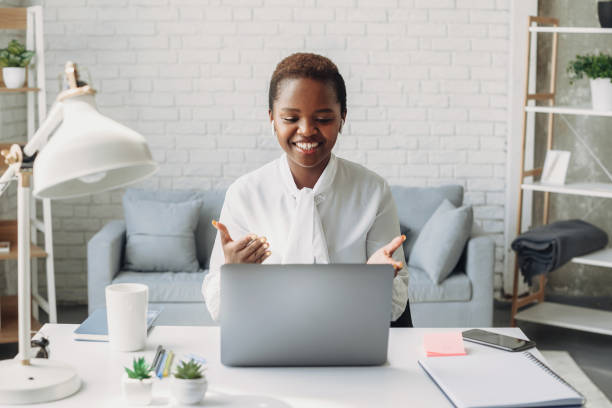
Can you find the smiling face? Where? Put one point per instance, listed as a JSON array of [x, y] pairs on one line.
[[307, 118]]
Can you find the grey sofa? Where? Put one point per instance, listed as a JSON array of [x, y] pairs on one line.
[[464, 299]]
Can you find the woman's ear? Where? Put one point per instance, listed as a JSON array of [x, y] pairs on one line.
[[341, 126]]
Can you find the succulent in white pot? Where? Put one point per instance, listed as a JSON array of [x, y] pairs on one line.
[[14, 59], [189, 383], [137, 384], [599, 69]]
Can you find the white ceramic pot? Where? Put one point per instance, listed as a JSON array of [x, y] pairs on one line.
[[189, 391], [14, 77], [137, 392], [601, 94]]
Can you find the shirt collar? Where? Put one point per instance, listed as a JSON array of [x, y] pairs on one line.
[[322, 185]]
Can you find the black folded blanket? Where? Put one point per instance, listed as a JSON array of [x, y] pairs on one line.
[[546, 248]]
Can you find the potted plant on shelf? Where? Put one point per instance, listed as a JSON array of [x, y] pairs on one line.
[[599, 69], [136, 384], [14, 59], [189, 383]]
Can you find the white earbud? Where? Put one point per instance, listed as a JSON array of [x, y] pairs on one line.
[[341, 126], [273, 130]]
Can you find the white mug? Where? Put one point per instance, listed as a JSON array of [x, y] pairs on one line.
[[126, 314]]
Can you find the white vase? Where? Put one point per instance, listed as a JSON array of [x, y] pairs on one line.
[[14, 77], [189, 391], [601, 94], [137, 392]]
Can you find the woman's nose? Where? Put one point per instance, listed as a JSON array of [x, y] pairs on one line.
[[307, 127]]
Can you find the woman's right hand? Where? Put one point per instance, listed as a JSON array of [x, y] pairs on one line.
[[249, 249]]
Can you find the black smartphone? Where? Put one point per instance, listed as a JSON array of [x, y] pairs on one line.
[[497, 340]]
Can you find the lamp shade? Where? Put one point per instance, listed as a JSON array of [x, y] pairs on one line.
[[89, 153]]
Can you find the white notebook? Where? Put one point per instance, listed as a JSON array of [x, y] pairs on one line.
[[500, 380]]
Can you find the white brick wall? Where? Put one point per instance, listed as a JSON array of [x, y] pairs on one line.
[[426, 92]]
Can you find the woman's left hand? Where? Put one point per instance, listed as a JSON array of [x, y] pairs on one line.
[[384, 254]]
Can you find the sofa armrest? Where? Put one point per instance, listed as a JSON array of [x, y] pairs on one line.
[[104, 256], [479, 266]]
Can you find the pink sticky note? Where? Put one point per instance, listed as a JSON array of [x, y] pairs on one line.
[[444, 344]]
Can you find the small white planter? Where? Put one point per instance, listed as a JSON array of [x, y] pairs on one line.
[[189, 391], [601, 94], [137, 392], [14, 77]]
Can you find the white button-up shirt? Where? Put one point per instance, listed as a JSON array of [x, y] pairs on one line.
[[354, 215]]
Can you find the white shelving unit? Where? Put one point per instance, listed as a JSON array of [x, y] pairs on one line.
[[584, 189], [567, 111], [602, 258], [30, 19], [573, 317]]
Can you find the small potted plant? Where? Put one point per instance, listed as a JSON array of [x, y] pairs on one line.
[[189, 383], [136, 384], [599, 69], [14, 59]]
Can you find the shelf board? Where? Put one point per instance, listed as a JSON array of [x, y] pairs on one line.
[[566, 110], [571, 30], [602, 258], [17, 90], [571, 317], [9, 327], [8, 232], [583, 189]]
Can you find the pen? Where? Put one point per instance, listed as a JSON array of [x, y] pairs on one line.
[[160, 367], [168, 363], [157, 357]]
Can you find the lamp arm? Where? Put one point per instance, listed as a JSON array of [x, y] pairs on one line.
[[46, 128]]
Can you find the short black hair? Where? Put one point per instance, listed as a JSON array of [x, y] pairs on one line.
[[307, 65]]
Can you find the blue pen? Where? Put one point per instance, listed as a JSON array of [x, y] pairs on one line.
[[160, 369]]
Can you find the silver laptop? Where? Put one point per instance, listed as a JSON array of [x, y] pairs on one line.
[[305, 315]]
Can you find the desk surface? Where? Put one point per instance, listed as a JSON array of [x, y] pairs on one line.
[[399, 383]]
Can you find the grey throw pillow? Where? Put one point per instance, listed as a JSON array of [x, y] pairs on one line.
[[161, 235], [441, 241]]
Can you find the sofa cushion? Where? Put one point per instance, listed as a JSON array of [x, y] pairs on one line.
[[441, 241], [415, 205], [456, 288], [167, 286], [161, 235], [205, 233]]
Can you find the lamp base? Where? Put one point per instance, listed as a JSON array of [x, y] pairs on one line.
[[43, 380]]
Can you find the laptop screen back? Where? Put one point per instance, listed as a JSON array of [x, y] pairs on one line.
[[305, 315]]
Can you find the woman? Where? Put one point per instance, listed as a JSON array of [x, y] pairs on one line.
[[308, 206]]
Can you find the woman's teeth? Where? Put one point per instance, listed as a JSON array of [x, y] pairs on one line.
[[306, 146]]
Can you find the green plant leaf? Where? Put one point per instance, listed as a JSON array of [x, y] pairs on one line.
[[190, 370], [15, 55], [593, 66], [140, 371], [26, 57]]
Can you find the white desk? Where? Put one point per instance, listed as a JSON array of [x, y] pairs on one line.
[[400, 383]]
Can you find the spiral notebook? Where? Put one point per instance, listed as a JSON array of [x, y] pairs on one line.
[[500, 380]]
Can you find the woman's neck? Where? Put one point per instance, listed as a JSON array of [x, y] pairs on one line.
[[307, 176]]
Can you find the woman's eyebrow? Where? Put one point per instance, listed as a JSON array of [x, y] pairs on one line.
[[326, 110]]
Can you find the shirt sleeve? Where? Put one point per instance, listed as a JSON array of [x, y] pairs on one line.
[[211, 287], [384, 229]]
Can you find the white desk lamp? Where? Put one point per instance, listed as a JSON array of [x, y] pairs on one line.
[[89, 153]]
